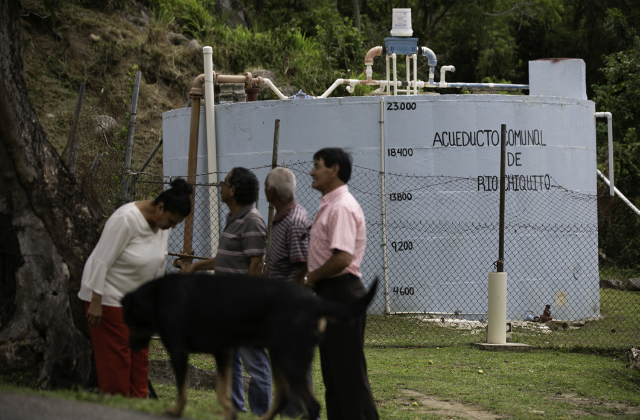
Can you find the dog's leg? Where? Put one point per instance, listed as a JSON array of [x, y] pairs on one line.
[[179, 362], [301, 386], [224, 361], [281, 394], [303, 391]]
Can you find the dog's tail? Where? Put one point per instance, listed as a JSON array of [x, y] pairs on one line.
[[345, 312]]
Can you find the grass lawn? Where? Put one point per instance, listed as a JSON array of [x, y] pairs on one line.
[[407, 381], [422, 370]]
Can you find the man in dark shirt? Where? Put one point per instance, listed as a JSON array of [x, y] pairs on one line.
[[241, 251]]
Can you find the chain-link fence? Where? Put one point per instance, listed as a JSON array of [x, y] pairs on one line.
[[100, 143], [432, 241]]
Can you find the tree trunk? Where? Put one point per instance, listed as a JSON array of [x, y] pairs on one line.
[[356, 14], [46, 234]]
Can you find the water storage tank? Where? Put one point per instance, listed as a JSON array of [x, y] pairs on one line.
[[551, 142]]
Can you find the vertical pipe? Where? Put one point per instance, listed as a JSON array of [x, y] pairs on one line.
[[132, 128], [497, 325], [503, 149], [388, 87], [194, 132], [134, 179], [408, 65], [610, 136], [274, 163], [151, 155], [383, 173], [415, 74], [212, 156], [395, 75], [72, 154]]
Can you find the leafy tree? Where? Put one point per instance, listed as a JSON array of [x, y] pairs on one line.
[[619, 227]]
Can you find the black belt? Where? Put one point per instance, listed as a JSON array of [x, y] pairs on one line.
[[341, 280]]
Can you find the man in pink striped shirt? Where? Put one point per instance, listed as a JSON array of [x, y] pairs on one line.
[[336, 247]]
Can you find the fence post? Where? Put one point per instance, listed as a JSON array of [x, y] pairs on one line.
[[503, 152], [274, 163], [134, 178], [72, 145], [383, 193], [496, 328], [132, 127]]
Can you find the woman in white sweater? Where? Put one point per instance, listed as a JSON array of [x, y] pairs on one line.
[[131, 251]]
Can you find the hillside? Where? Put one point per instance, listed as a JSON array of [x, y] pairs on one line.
[[100, 49]]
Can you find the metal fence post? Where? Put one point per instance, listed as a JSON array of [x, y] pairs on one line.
[[132, 127], [503, 152], [274, 163], [142, 168]]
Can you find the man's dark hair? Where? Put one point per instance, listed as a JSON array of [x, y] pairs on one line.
[[246, 184], [336, 155]]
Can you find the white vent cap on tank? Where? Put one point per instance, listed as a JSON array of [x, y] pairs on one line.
[[401, 23]]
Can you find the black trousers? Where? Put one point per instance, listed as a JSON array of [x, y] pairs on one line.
[[344, 368]]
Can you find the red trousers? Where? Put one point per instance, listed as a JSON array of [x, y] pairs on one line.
[[120, 370]]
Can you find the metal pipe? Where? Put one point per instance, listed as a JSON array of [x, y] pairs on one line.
[[408, 68], [335, 84], [151, 155], [368, 60], [383, 172], [395, 75], [187, 257], [609, 118], [212, 148], [274, 89], [187, 244], [387, 89], [373, 52], [274, 163], [134, 176], [415, 74], [503, 153], [436, 313], [619, 194], [443, 72], [233, 78], [132, 128], [433, 62], [487, 86]]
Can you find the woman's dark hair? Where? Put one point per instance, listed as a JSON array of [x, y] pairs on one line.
[[246, 185], [336, 155], [176, 199]]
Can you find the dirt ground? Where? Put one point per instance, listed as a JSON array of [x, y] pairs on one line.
[[457, 410]]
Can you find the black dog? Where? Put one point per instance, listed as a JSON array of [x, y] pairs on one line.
[[214, 314]]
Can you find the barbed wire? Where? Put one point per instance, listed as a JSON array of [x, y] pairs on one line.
[[442, 242]]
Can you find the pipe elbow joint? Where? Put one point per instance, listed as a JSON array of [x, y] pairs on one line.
[[352, 86], [373, 52], [196, 87], [443, 71], [431, 56]]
